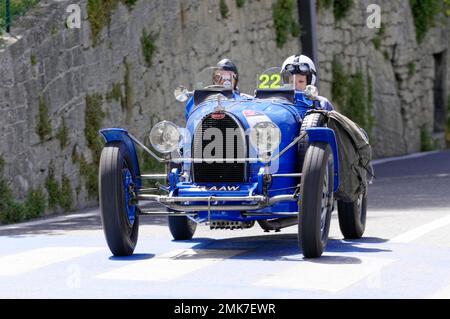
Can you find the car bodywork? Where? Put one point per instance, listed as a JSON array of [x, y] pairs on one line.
[[238, 160], [263, 193]]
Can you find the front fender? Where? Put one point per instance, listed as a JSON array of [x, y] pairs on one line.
[[326, 135], [121, 135]]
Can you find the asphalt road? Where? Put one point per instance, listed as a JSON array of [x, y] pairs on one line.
[[405, 252]]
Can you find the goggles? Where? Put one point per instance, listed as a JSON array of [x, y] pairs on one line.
[[300, 68], [221, 77]]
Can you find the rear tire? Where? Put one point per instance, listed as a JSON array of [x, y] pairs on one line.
[[120, 219], [181, 227], [316, 200], [352, 217]]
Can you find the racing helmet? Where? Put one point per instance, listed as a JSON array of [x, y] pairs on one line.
[[228, 65], [300, 64]]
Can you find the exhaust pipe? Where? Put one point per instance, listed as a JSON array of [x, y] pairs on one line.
[[277, 224]]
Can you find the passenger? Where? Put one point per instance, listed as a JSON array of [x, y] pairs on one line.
[[305, 74]]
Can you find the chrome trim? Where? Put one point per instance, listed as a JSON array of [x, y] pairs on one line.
[[153, 176], [295, 141], [219, 160], [134, 139], [287, 175], [260, 202]]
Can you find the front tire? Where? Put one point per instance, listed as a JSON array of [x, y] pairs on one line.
[[181, 227], [316, 200], [120, 218], [352, 217]]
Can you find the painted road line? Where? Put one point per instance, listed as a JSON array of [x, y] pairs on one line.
[[403, 157], [170, 266], [38, 258], [330, 277], [49, 220], [418, 232]]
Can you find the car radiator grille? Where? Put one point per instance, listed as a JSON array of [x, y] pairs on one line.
[[229, 141]]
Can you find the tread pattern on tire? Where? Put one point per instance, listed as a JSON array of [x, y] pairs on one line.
[[307, 233], [121, 238], [310, 120]]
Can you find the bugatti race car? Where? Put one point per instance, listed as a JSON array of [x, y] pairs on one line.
[[275, 159]]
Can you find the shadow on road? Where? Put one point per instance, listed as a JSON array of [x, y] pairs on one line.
[[280, 247], [132, 257]]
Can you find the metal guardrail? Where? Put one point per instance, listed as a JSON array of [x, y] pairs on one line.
[[11, 9]]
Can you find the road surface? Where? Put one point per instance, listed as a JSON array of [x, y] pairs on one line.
[[405, 252]]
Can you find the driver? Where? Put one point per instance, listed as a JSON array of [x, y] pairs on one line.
[[305, 74], [225, 74]]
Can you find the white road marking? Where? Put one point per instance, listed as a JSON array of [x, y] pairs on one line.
[[415, 233], [403, 157], [48, 220], [170, 266], [37, 258], [331, 277]]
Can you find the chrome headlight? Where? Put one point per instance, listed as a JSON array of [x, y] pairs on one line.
[[165, 137], [265, 137]]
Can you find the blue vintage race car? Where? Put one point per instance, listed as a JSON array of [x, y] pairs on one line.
[[271, 159]]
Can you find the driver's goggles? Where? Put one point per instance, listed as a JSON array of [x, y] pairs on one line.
[[219, 77], [302, 68]]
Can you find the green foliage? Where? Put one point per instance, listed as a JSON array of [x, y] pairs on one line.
[[447, 8], [52, 186], [63, 135], [224, 11], [341, 8], [17, 8], [386, 55], [99, 15], [74, 156], [58, 194], [35, 203], [44, 126], [12, 211], [284, 21], [411, 69], [353, 95], [94, 116], [89, 171], [66, 196], [426, 141], [130, 3], [149, 165], [148, 46], [240, 3], [115, 93], [379, 37], [324, 4], [129, 94], [424, 13], [93, 120], [33, 60]]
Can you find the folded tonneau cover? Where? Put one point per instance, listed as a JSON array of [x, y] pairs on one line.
[[355, 154]]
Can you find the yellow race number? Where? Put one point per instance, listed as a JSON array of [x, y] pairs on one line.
[[269, 81]]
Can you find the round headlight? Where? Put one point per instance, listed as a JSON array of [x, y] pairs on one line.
[[165, 137], [265, 137]]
